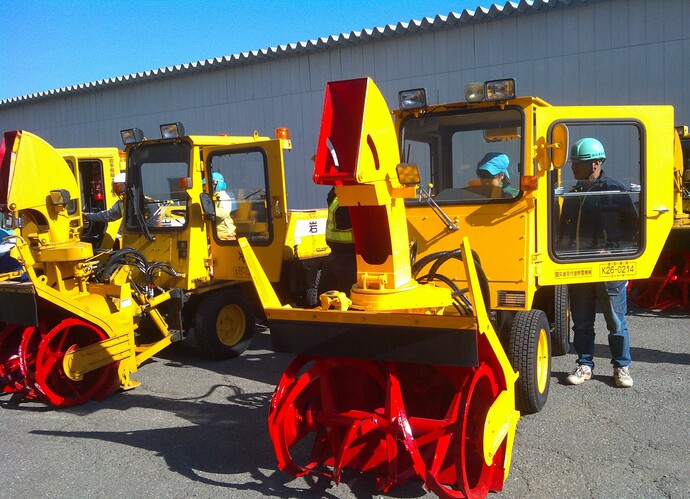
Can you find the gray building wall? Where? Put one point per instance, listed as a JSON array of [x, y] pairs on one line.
[[567, 52]]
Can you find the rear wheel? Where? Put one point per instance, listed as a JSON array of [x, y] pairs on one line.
[[560, 332], [529, 351], [224, 324], [313, 288]]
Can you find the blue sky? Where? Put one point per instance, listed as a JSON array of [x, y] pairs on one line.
[[49, 44]]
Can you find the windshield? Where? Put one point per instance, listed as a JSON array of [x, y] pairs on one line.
[[157, 173], [468, 157]]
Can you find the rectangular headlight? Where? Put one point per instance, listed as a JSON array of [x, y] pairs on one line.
[[500, 89], [474, 92], [172, 130], [131, 136], [60, 197], [412, 99], [408, 174]]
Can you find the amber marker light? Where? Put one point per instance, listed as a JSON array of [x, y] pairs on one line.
[[528, 183], [283, 133]]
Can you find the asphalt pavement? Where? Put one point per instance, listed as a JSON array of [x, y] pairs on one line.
[[197, 428]]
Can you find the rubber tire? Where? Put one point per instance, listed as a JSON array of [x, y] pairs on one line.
[[312, 294], [524, 355], [205, 324], [560, 332]]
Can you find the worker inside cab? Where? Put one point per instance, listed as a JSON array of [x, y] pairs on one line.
[[116, 211], [225, 205], [492, 171]]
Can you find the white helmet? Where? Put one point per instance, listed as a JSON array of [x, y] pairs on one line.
[[119, 183]]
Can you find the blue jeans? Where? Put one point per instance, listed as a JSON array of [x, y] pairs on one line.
[[612, 300]]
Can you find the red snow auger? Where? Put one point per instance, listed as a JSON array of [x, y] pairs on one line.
[[398, 376]]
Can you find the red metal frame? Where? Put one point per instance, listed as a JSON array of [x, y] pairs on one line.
[[667, 288], [399, 420]]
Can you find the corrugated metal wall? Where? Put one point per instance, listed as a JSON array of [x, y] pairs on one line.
[[601, 52]]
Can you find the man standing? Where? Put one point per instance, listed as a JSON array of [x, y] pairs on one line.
[[599, 223], [340, 271]]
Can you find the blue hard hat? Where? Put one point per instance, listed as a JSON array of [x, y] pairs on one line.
[[218, 181], [494, 163]]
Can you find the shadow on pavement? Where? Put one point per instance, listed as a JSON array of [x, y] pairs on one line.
[[252, 364], [223, 440]]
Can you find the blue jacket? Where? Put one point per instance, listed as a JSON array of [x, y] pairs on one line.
[[606, 221]]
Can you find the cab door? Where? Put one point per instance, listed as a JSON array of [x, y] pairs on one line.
[[254, 194], [90, 179], [588, 234]]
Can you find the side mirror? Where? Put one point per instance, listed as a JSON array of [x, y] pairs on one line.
[[207, 206], [558, 151]]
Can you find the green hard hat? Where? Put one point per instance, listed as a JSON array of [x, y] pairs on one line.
[[587, 149]]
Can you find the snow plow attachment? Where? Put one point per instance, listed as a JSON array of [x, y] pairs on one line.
[[67, 316], [398, 376]]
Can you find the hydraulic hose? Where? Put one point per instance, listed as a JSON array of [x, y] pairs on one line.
[[128, 256], [442, 257]]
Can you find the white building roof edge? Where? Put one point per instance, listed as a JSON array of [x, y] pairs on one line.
[[343, 39]]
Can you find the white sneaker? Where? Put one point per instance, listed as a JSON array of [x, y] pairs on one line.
[[622, 377], [579, 375]]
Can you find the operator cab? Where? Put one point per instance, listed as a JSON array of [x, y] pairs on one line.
[[193, 196], [461, 153], [534, 208]]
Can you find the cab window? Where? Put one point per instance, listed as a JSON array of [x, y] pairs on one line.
[[92, 185], [159, 171], [596, 198], [92, 195], [468, 157], [244, 195]]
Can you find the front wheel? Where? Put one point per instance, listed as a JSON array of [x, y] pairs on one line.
[[224, 324], [529, 351]]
